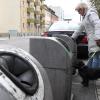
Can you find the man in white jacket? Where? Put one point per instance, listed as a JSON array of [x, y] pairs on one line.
[[91, 25]]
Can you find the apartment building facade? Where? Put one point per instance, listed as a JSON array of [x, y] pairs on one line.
[[32, 16], [58, 11], [50, 17], [25, 17]]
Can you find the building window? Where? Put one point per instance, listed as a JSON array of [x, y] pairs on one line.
[[31, 26], [23, 3], [28, 26], [23, 25]]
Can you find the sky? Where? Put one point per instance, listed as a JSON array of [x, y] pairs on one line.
[[68, 6]]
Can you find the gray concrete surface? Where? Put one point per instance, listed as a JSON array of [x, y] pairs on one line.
[[80, 93], [57, 63], [83, 93]]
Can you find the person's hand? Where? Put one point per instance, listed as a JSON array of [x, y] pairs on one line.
[[98, 42]]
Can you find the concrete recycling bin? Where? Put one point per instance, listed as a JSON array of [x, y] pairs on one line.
[[56, 60], [71, 44], [22, 77]]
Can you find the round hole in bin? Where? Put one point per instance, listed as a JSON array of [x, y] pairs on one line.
[[21, 72]]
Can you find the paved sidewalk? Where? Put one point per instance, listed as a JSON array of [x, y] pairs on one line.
[[83, 93], [98, 89], [97, 84]]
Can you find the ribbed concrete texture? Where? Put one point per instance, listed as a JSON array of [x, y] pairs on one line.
[[71, 45], [56, 60]]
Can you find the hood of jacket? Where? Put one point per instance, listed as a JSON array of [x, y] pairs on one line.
[[91, 10]]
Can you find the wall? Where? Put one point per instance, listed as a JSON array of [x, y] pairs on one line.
[[9, 15]]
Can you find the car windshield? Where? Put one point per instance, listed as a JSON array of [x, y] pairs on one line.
[[63, 26]]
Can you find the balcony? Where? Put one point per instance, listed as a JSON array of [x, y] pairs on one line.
[[37, 12], [30, 0], [42, 7], [42, 15], [37, 3], [37, 21], [42, 0], [42, 22], [30, 20], [29, 9]]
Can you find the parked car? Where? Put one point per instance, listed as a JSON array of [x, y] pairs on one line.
[[63, 27], [82, 46]]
